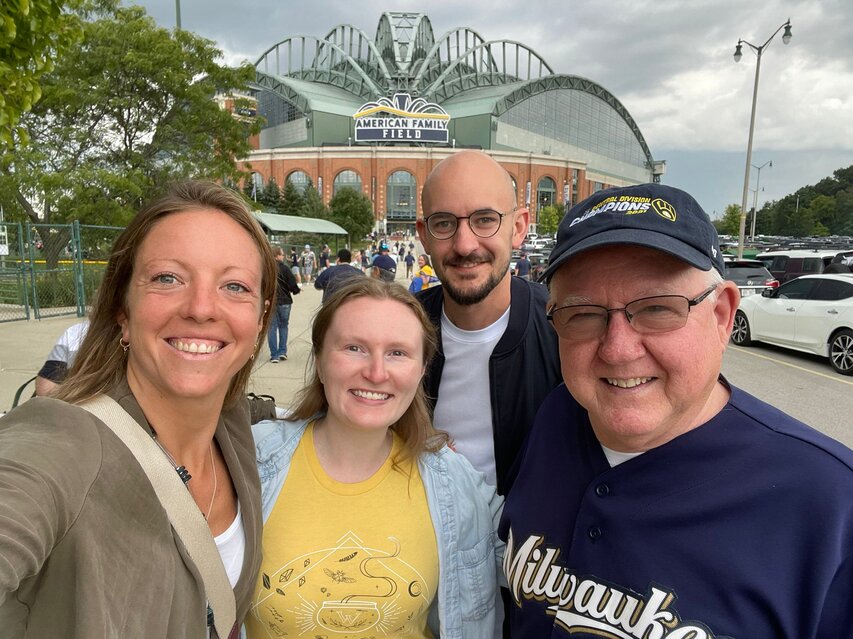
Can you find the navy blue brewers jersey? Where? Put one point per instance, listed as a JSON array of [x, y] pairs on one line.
[[741, 528]]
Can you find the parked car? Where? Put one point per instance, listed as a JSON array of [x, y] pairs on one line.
[[813, 314], [751, 276], [539, 245], [787, 265]]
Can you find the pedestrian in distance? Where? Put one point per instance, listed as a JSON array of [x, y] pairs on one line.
[[384, 266], [423, 280], [410, 262], [334, 276], [286, 288], [654, 498], [308, 262], [294, 265], [156, 397], [522, 267], [369, 516], [325, 258]]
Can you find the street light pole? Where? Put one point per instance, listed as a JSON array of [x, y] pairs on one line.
[[786, 38], [755, 199]]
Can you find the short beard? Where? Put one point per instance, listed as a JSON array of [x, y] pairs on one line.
[[468, 298]]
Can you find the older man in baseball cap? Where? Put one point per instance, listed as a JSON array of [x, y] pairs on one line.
[[653, 498]]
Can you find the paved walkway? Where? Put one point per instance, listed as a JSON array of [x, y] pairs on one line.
[[24, 346]]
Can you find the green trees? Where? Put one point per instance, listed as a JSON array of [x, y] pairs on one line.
[[32, 34], [291, 202], [352, 210], [825, 208], [730, 224], [270, 195], [549, 219], [126, 110], [312, 204]]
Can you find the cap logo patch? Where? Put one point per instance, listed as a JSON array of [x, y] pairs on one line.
[[664, 209], [627, 204]]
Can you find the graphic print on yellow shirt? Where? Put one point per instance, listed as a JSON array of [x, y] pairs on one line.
[[346, 561]]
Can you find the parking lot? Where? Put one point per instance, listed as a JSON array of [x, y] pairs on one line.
[[802, 385]]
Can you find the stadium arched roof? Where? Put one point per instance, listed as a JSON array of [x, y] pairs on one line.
[[461, 70]]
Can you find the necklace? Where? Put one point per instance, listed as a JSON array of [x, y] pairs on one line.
[[184, 474]]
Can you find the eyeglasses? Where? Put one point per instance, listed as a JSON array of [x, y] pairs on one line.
[[657, 314], [483, 223]]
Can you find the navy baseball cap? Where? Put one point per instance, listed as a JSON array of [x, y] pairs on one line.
[[652, 215], [385, 262]]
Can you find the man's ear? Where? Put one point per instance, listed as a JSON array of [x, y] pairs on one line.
[[520, 223], [423, 234], [725, 307]]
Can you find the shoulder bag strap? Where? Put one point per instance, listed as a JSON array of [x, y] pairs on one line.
[[183, 513]]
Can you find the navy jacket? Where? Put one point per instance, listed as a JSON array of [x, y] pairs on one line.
[[523, 369]]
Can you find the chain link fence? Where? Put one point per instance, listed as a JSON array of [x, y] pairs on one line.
[[48, 270]]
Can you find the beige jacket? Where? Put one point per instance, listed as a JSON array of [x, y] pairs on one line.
[[86, 549]]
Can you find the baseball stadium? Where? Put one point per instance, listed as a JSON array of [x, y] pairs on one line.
[[376, 114]]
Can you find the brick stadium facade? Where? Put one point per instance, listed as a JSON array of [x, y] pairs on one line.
[[560, 137]]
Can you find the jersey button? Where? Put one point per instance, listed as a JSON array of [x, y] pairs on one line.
[[594, 533], [602, 490]]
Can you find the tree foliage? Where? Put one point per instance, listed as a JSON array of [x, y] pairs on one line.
[[312, 204], [291, 202], [32, 34], [730, 224], [825, 208], [352, 210], [270, 195], [549, 219], [125, 111]]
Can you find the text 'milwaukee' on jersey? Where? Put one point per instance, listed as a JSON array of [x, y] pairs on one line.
[[741, 528]]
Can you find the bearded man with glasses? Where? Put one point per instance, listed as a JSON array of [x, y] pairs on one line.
[[497, 356], [653, 497]]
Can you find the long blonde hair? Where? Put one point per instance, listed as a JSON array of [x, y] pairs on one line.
[[414, 427], [100, 363]]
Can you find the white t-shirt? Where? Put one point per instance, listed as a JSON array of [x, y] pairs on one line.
[[464, 408], [66, 347], [614, 457], [231, 545]]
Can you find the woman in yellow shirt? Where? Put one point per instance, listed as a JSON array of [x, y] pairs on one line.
[[373, 526]]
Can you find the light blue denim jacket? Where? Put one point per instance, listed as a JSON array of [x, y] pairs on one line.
[[465, 512]]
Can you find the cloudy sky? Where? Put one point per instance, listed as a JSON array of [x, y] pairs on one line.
[[668, 61]]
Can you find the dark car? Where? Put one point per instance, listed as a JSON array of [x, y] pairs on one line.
[[751, 276], [786, 265]]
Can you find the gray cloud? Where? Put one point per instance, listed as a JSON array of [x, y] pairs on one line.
[[668, 61]]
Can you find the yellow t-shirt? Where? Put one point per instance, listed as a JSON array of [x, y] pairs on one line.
[[346, 561]]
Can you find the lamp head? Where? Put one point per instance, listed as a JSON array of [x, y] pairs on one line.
[[738, 52], [786, 36]]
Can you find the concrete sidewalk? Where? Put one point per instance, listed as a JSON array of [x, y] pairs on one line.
[[24, 346]]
